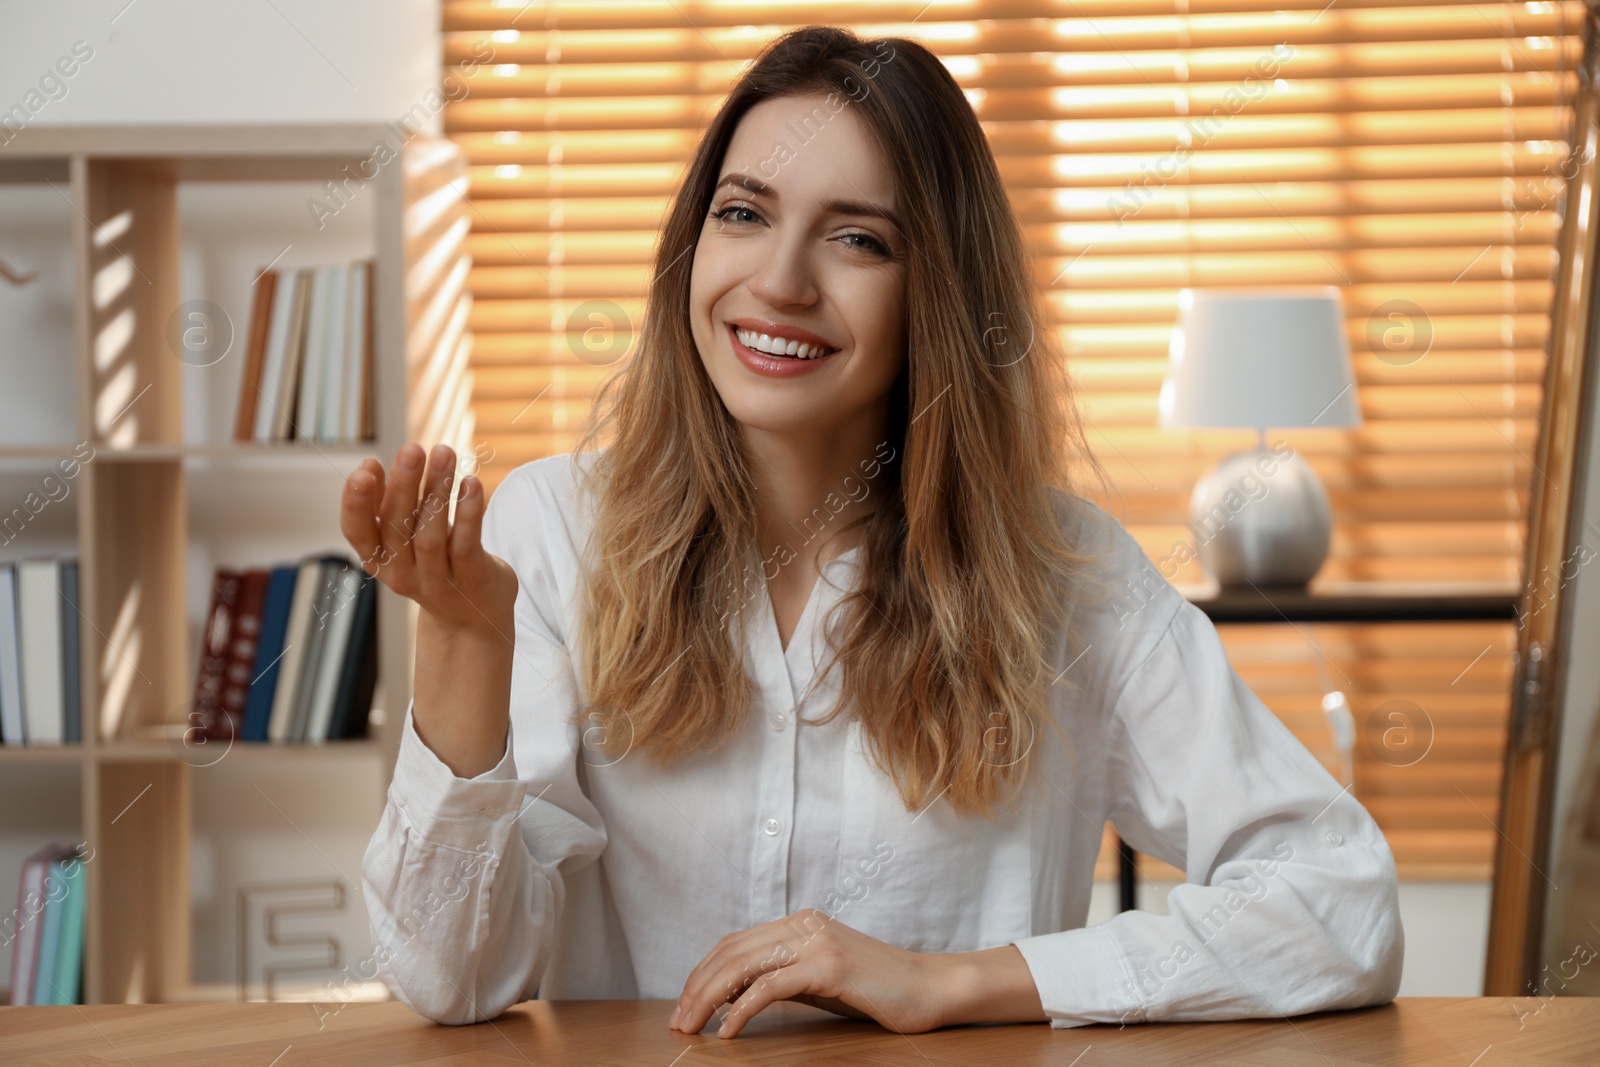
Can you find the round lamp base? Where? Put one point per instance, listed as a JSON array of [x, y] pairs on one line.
[[1261, 518]]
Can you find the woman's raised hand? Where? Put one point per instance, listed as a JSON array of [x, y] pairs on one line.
[[401, 530], [461, 689]]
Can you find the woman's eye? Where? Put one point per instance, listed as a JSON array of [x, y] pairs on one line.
[[723, 215], [872, 243]]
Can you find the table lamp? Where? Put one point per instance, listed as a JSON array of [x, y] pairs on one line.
[[1253, 359]]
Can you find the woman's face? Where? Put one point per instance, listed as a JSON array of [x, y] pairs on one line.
[[796, 245]]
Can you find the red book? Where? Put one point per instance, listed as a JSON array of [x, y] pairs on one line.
[[214, 653], [243, 636]]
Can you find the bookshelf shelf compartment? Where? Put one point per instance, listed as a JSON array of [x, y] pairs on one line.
[[162, 488], [37, 403]]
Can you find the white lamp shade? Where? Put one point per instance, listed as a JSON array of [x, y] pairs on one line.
[[1254, 359]]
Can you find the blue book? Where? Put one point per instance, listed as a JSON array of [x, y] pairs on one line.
[[55, 895], [69, 957], [269, 653]]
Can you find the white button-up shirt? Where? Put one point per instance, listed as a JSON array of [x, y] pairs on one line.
[[567, 873]]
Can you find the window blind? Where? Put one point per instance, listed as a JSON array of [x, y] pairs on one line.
[[1412, 155]]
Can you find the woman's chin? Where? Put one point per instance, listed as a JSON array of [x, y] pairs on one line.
[[770, 419]]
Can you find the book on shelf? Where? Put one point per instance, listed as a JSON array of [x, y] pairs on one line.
[[40, 695], [308, 356], [207, 707], [268, 663], [316, 644], [344, 591], [266, 284], [47, 926], [307, 582], [238, 670], [289, 653]]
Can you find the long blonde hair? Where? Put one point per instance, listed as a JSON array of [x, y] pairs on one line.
[[964, 567]]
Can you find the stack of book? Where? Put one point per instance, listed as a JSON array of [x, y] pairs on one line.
[[46, 929], [308, 356], [39, 694], [288, 653]]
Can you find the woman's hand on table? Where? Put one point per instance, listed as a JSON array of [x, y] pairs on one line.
[[814, 959]]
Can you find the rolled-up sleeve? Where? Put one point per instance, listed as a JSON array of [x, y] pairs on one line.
[[464, 877], [1290, 903]]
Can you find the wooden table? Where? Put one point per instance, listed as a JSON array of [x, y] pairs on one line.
[[1459, 1032]]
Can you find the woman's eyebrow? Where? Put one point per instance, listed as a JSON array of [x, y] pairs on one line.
[[754, 186], [757, 187]]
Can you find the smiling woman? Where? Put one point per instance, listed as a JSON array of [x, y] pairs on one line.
[[930, 705], [834, 201]]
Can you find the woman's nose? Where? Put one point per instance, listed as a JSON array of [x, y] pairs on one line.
[[784, 275]]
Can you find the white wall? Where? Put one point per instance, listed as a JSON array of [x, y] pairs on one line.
[[168, 61], [160, 61]]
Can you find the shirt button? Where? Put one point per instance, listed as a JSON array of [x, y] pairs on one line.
[[1334, 839], [773, 826], [779, 721]]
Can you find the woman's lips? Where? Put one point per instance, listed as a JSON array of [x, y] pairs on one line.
[[775, 366]]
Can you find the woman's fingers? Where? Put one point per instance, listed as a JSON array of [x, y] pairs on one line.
[[358, 516], [416, 548], [812, 958], [433, 514], [729, 968], [782, 983], [397, 514], [466, 534]]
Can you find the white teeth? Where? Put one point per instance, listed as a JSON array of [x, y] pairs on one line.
[[774, 347]]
